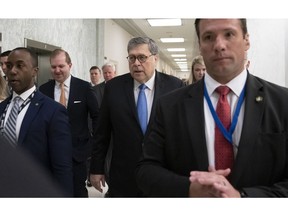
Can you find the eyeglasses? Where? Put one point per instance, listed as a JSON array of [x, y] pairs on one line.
[[140, 58]]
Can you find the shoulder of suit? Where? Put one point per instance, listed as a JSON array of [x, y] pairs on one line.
[[40, 97], [47, 84], [120, 78], [169, 77], [78, 80]]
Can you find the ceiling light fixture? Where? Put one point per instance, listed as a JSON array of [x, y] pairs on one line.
[[180, 59], [172, 40], [164, 22], [181, 63], [178, 55], [176, 49]]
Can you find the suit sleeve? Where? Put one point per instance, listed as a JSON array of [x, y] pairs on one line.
[[101, 140], [152, 176], [60, 148], [93, 107]]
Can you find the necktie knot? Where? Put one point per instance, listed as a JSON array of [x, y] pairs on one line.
[[223, 90], [142, 87], [17, 100]]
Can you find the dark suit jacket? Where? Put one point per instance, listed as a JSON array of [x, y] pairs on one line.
[[99, 91], [21, 176], [118, 116], [45, 134], [81, 103], [177, 144]]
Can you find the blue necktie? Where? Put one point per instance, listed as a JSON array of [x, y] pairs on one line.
[[10, 127], [142, 108]]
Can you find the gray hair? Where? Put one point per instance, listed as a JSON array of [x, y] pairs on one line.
[[109, 64], [134, 42]]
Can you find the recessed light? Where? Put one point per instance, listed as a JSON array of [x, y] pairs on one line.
[[180, 59], [176, 49], [178, 55], [172, 40], [181, 63], [164, 22], [183, 66]]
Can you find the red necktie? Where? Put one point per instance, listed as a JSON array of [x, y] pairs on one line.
[[224, 156]]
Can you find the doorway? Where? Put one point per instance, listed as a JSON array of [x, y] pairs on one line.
[[43, 50]]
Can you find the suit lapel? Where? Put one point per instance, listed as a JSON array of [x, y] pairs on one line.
[[72, 88], [129, 92], [251, 123], [31, 113], [50, 92], [101, 88], [159, 90], [195, 122]]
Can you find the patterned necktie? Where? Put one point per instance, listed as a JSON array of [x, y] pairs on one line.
[[62, 95], [10, 126], [224, 156], [142, 108]]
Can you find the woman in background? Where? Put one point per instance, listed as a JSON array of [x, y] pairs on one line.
[[198, 70], [3, 89]]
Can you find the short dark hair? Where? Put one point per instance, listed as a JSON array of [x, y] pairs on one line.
[[242, 21], [95, 68], [33, 55], [6, 53]]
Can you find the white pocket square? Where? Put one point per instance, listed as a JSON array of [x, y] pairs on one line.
[[77, 102]]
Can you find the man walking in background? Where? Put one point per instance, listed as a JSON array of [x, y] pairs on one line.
[[78, 97], [121, 119]]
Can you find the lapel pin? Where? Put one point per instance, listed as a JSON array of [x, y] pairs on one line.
[[36, 104], [259, 99]]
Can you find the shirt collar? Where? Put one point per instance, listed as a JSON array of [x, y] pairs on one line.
[[236, 84], [25, 94], [66, 82], [149, 83]]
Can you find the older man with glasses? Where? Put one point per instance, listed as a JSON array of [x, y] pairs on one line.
[[127, 112]]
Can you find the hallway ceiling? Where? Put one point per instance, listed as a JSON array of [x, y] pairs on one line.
[[140, 27]]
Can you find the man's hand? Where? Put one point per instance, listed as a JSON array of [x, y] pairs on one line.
[[96, 181], [211, 184]]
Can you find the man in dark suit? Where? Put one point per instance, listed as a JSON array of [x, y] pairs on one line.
[[14, 164], [95, 75], [179, 157], [118, 118], [42, 127], [109, 72], [80, 102]]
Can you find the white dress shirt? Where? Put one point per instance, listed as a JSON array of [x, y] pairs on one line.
[[149, 92], [236, 85], [57, 90], [21, 115]]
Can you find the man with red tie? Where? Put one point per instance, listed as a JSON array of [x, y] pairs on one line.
[[224, 136]]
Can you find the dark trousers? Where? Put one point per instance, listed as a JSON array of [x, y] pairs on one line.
[[79, 177]]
